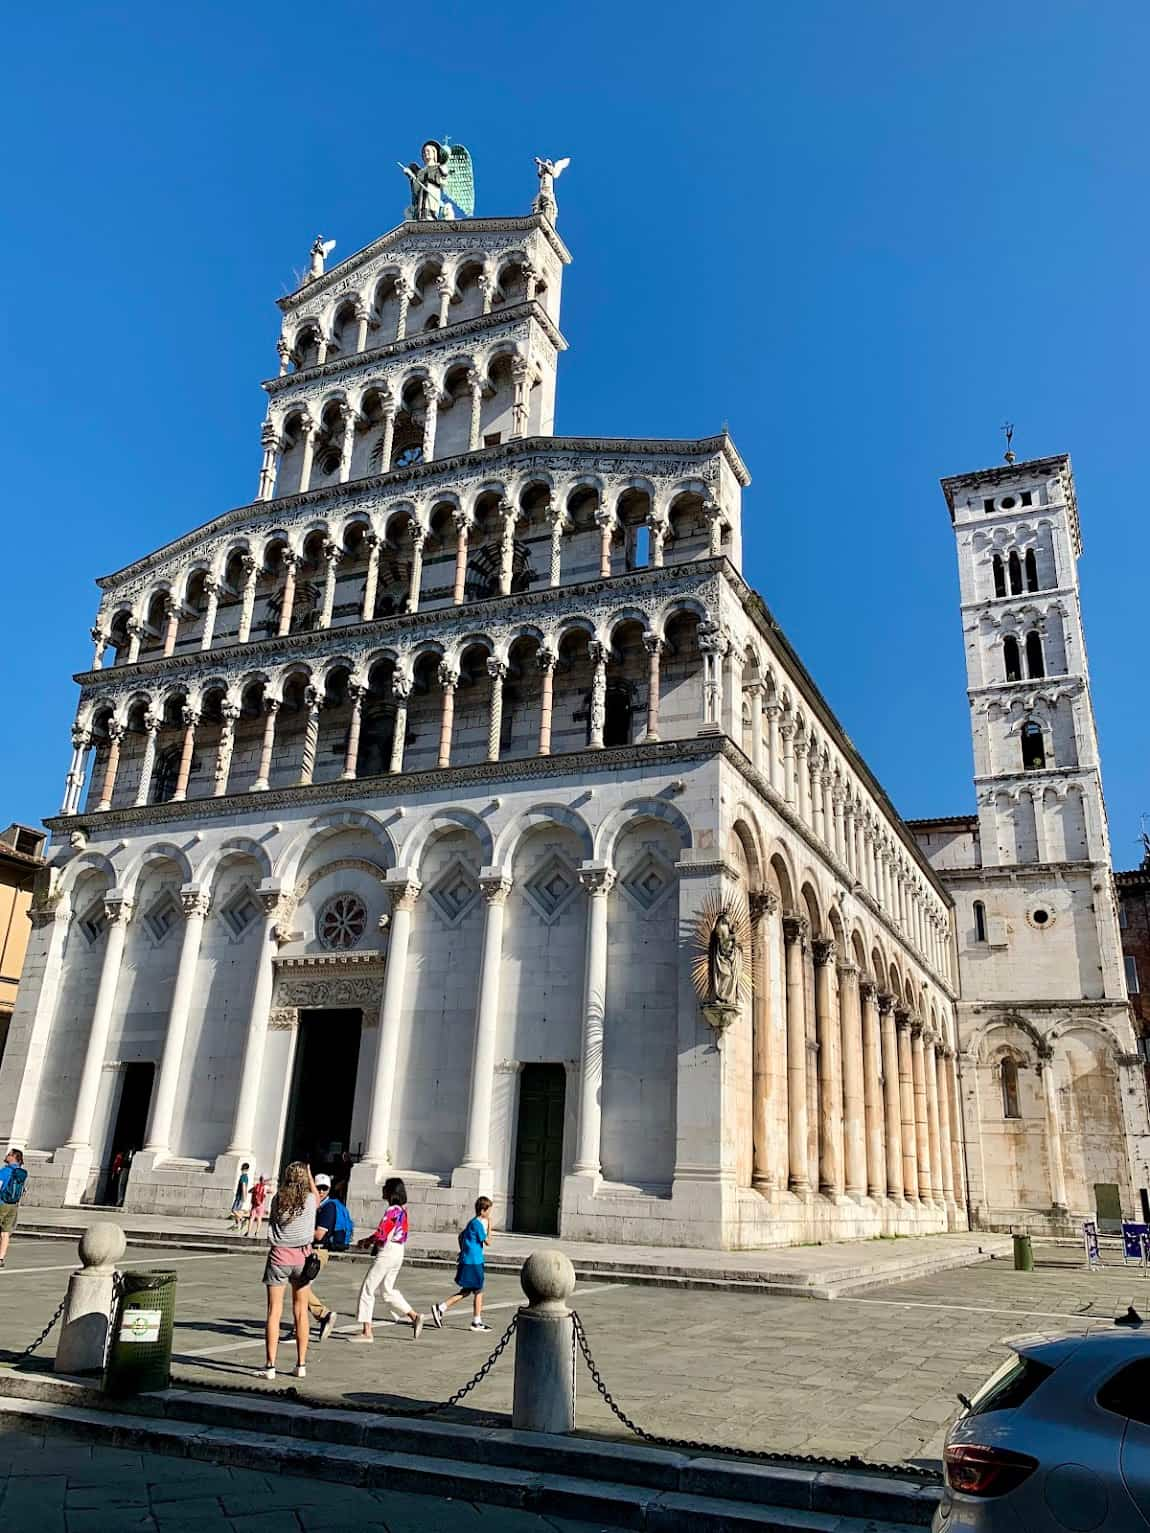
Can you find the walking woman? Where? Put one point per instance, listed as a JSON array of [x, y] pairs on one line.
[[389, 1242], [291, 1230]]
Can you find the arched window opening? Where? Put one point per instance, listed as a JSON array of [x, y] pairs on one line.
[[617, 718], [1011, 658], [1031, 570], [641, 548], [1014, 565], [979, 921], [1008, 1075], [1033, 748], [999, 576], [1035, 665]]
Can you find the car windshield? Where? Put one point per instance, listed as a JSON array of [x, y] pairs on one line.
[[1009, 1385]]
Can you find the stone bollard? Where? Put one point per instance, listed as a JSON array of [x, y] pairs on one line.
[[544, 1398], [88, 1312]]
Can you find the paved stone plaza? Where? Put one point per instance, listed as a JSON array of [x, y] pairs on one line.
[[875, 1375]]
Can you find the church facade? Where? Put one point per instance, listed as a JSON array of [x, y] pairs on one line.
[[397, 795]]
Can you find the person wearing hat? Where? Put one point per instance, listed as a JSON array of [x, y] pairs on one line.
[[333, 1232]]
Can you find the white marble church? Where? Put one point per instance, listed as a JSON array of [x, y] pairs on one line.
[[395, 795]]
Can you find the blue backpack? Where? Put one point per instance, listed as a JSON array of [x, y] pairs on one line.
[[344, 1226], [13, 1189]]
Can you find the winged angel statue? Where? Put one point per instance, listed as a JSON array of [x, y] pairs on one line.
[[549, 172], [319, 254], [443, 185]]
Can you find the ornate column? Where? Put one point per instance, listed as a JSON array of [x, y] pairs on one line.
[[212, 592], [195, 902], [111, 765], [560, 523], [287, 602], [497, 670], [474, 430], [754, 691], [520, 378], [830, 1070], [942, 1056], [404, 293], [1038, 803], [605, 521], [229, 712], [817, 820], [171, 625], [508, 517], [251, 1068], [135, 633], [271, 708], [321, 346], [269, 468], [100, 640], [356, 693], [933, 1115], [802, 779], [117, 911], [147, 765], [787, 729], [545, 659], [190, 718], [530, 282], [795, 930], [892, 1094], [597, 879], [307, 428], [347, 443], [401, 691], [387, 442], [313, 702], [957, 1168], [921, 1128], [774, 760], [371, 577], [496, 886], [247, 597], [872, 1092], [448, 680], [714, 515], [659, 528], [333, 556], [403, 888], [839, 831], [462, 538], [1053, 1128], [654, 647], [598, 653], [74, 781], [443, 288], [828, 809], [362, 320], [768, 1067], [712, 647], [283, 351], [418, 534], [854, 1093], [908, 1133], [430, 416]]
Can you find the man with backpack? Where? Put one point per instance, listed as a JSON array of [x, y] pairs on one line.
[[13, 1177], [333, 1232]]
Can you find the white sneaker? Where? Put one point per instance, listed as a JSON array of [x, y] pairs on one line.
[[267, 1373], [479, 1325], [327, 1325], [299, 1371], [437, 1316]]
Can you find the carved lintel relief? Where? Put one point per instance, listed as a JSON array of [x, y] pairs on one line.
[[283, 1019]]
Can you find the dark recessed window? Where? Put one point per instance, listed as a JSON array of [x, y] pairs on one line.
[[492, 439], [1024, 498], [407, 457], [330, 463], [1008, 503], [988, 504], [1040, 917]]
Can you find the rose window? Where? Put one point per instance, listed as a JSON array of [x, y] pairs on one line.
[[342, 922]]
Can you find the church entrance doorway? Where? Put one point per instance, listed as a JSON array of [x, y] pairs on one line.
[[130, 1127], [539, 1149], [318, 1128]]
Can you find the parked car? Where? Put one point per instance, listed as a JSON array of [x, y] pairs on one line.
[[1057, 1438]]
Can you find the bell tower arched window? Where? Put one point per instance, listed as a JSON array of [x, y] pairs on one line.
[[1011, 658], [999, 575], [1014, 565], [1031, 570], [1033, 748], [979, 921], [1035, 666], [1008, 1078]]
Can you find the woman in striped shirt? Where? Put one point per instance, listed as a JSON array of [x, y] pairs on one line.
[[389, 1242]]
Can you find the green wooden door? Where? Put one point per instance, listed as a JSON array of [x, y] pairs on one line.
[[539, 1149]]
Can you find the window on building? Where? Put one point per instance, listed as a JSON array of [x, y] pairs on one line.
[[988, 504], [1035, 665], [999, 576], [1014, 565], [1031, 564], [617, 721], [979, 921], [1008, 1076], [1033, 748], [1123, 915], [492, 438], [1026, 498], [1011, 658], [1131, 965]]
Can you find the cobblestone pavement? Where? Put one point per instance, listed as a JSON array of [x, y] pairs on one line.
[[59, 1486], [875, 1375]]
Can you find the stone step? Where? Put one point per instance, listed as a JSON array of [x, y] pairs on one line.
[[627, 1484]]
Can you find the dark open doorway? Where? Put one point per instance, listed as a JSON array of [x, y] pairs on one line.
[[539, 1149], [318, 1128], [130, 1126]]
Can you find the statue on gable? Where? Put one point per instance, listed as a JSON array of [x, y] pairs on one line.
[[548, 172], [442, 185]]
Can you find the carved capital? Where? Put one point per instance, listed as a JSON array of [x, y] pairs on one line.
[[546, 659], [430, 391], [474, 380], [248, 565], [289, 558], [404, 893], [823, 951], [763, 903], [796, 928], [848, 970], [497, 669], [653, 644], [885, 1001], [190, 717], [417, 534], [229, 713], [597, 879], [916, 1027], [495, 887], [152, 722], [195, 902], [598, 652], [332, 552], [117, 909], [463, 521], [448, 677], [269, 436], [560, 521], [115, 730], [272, 704], [313, 699], [868, 990], [81, 737], [401, 688]]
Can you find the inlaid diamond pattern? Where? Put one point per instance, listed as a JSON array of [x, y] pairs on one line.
[[551, 887], [454, 892], [648, 881]]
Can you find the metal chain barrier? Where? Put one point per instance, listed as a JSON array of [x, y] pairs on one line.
[[114, 1311], [44, 1334], [760, 1455]]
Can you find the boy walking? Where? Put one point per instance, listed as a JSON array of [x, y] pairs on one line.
[[470, 1272], [13, 1176]]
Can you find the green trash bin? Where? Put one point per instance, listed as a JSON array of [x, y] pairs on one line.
[[1023, 1254], [140, 1356]]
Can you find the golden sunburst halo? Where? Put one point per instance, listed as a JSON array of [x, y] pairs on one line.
[[735, 908]]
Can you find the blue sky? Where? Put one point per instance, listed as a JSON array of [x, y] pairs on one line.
[[862, 235]]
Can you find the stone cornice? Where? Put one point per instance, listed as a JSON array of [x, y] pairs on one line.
[[423, 341], [1017, 872], [486, 462], [668, 581], [432, 231]]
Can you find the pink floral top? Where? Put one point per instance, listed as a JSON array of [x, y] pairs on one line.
[[392, 1227]]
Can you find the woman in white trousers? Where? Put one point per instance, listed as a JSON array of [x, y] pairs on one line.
[[389, 1241]]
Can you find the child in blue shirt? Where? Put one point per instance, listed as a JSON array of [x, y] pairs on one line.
[[470, 1272]]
